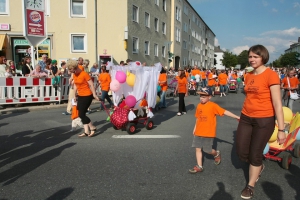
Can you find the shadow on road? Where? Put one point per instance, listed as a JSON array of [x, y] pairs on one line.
[[272, 190], [61, 194], [293, 179], [221, 193]]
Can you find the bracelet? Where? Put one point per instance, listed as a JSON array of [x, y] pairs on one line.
[[280, 130]]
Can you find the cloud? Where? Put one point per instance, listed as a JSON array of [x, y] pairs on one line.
[[274, 10], [265, 3], [294, 31], [239, 49], [296, 5], [217, 42]]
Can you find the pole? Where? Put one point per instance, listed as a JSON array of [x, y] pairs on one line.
[[96, 33], [32, 57]]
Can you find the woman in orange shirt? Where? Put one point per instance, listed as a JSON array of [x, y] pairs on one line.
[[84, 88], [212, 81], [223, 82], [162, 81], [182, 89], [104, 82], [257, 121], [292, 87]]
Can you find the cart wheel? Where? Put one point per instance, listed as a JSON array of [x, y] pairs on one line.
[[149, 125], [286, 161], [297, 150], [130, 128]]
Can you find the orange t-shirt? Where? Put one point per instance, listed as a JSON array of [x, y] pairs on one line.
[[258, 102], [245, 75], [195, 72], [74, 112], [182, 85], [206, 115], [81, 82], [294, 82], [203, 75], [211, 82], [81, 67], [105, 80], [187, 75], [222, 79], [233, 76], [163, 77]]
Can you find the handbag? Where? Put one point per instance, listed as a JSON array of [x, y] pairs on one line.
[[119, 118], [293, 95]]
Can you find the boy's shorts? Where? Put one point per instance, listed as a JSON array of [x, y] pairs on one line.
[[203, 142]]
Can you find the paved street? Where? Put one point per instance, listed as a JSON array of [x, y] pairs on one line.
[[41, 159]]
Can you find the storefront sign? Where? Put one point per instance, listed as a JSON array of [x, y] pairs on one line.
[[35, 23], [4, 27]]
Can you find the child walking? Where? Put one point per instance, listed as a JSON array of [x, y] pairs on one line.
[[205, 128], [76, 121]]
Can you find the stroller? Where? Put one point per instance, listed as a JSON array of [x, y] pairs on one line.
[[171, 87], [233, 86], [192, 87]]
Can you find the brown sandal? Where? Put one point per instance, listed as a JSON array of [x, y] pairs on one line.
[[217, 158], [92, 132]]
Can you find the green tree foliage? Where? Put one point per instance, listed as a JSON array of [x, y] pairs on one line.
[[289, 59], [243, 59], [276, 63], [229, 59]]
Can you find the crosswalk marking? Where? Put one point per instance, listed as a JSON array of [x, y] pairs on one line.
[[144, 136]]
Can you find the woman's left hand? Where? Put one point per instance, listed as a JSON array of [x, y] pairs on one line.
[[96, 97], [281, 137]]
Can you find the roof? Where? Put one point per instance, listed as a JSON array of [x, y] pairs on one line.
[[218, 50]]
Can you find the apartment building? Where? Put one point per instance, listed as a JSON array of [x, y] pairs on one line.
[[101, 30]]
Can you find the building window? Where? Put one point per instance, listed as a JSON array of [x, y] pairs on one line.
[[163, 51], [146, 47], [178, 34], [178, 13], [156, 2], [184, 44], [78, 8], [164, 4], [156, 50], [135, 45], [4, 7], [164, 28], [78, 43], [147, 19], [156, 24], [135, 13], [185, 27]]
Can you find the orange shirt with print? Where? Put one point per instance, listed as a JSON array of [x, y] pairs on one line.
[[104, 79], [222, 79], [206, 115], [211, 81], [195, 72], [203, 75], [81, 67], [182, 85], [294, 82], [81, 82], [162, 78], [258, 102]]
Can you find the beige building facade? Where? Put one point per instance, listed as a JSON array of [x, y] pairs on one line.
[[101, 30]]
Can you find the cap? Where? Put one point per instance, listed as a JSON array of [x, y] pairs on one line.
[[53, 61], [205, 92], [249, 69]]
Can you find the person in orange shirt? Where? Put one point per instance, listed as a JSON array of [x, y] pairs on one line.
[[205, 128], [195, 72], [80, 64], [203, 77], [212, 81], [182, 89], [84, 88], [257, 120], [104, 82], [223, 80], [162, 81], [289, 84]]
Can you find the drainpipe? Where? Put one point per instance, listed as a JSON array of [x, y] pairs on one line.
[[96, 32]]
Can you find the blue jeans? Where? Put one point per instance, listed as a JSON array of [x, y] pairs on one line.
[[104, 96], [203, 83], [222, 88], [162, 102]]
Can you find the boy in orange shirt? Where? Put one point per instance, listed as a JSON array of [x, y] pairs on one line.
[[205, 128]]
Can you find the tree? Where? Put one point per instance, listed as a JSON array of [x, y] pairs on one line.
[[243, 59], [276, 63], [289, 59], [229, 59]]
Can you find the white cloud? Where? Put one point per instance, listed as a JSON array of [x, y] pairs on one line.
[[294, 31], [265, 3], [296, 5], [217, 42], [239, 49], [274, 10]]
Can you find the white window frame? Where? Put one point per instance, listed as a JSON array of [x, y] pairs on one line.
[[155, 50], [178, 13], [6, 12], [137, 13], [83, 9], [163, 51], [135, 45], [147, 49], [148, 21], [178, 34], [84, 35], [164, 4], [164, 28], [156, 24], [156, 2]]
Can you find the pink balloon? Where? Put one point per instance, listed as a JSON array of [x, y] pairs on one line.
[[114, 85], [121, 76], [130, 101]]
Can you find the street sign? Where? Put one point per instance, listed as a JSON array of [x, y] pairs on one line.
[[34, 21]]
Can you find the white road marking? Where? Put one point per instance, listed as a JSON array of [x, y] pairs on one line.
[[145, 136]]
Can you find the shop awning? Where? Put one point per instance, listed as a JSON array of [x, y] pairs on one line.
[[2, 40]]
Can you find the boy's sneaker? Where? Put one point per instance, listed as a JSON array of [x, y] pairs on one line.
[[178, 114], [247, 192], [183, 113], [196, 169], [218, 158]]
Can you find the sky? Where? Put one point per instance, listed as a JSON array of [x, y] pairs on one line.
[[240, 24]]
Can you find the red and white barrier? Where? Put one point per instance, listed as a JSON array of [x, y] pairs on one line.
[[18, 90]]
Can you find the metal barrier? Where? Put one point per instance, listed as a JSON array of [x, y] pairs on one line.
[[21, 90]]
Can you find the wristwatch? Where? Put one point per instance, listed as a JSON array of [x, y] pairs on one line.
[[282, 130]]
